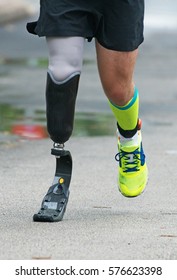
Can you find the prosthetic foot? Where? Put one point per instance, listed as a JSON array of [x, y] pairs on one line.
[[55, 201]]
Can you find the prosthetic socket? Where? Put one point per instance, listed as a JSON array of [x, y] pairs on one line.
[[60, 107]]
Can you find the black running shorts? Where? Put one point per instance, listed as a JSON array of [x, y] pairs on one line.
[[116, 24]]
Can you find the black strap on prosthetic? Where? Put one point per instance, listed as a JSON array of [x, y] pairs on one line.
[[60, 108], [55, 201]]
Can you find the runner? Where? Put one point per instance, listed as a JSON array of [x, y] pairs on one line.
[[117, 28]]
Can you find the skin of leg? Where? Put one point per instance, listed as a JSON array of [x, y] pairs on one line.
[[116, 73]]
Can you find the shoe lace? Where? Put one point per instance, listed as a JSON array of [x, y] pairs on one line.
[[129, 161]]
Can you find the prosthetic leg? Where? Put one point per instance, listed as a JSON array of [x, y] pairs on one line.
[[60, 102]]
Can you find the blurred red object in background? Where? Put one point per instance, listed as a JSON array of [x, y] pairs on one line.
[[30, 131]]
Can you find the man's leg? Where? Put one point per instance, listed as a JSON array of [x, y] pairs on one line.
[[116, 73], [65, 63]]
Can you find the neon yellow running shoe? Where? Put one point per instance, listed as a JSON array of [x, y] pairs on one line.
[[133, 173]]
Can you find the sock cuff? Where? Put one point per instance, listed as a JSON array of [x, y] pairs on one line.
[[130, 103]]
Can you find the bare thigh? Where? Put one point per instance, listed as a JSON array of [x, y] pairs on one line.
[[116, 73]]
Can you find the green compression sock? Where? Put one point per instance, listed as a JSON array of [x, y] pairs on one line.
[[127, 115]]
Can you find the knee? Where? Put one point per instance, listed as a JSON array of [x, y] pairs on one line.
[[60, 70], [119, 92]]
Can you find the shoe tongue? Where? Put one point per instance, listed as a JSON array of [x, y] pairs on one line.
[[128, 148]]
